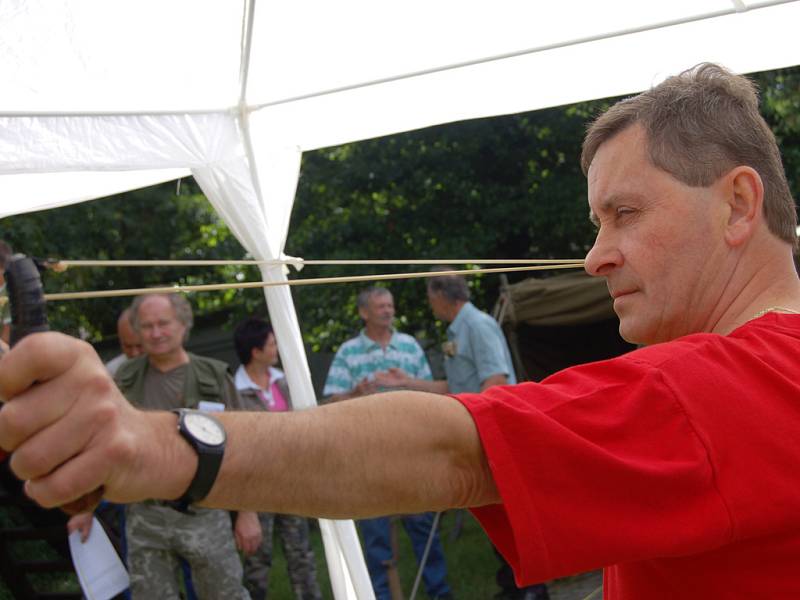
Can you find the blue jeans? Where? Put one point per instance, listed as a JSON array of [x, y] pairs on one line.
[[378, 548]]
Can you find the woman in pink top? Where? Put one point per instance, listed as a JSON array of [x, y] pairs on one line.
[[263, 387]]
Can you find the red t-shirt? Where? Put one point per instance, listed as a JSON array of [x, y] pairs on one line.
[[676, 467]]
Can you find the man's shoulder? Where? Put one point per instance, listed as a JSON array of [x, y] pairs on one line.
[[114, 364], [354, 345], [701, 354], [131, 366], [129, 371], [478, 321], [476, 314], [206, 363]]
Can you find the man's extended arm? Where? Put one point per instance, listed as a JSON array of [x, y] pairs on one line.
[[369, 456], [73, 432]]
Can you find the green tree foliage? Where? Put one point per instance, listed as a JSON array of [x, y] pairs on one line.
[[503, 187], [506, 187], [780, 105], [152, 223]]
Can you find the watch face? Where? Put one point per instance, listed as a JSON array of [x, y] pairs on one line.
[[204, 428]]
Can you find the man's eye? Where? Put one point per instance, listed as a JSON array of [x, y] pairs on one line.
[[624, 211]]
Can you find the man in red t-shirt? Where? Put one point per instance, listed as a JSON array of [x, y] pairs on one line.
[[672, 467]]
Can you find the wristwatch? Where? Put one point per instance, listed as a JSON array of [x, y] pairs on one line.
[[207, 436]]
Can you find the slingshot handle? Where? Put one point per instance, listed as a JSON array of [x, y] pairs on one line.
[[26, 297]]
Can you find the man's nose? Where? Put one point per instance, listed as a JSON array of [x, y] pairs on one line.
[[603, 257]]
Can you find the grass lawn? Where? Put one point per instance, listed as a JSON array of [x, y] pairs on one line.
[[470, 560], [471, 563], [471, 566]]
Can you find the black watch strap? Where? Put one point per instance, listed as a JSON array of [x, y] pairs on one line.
[[209, 459]]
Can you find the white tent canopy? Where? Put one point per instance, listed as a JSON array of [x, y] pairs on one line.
[[101, 96]]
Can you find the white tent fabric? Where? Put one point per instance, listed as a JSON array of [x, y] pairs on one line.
[[37, 191], [309, 74], [234, 192], [101, 96]]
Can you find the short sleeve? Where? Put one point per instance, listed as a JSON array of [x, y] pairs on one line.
[[596, 465], [488, 350], [340, 379], [423, 370]]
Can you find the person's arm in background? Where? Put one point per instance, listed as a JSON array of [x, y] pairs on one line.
[[340, 383], [247, 531], [362, 388], [72, 432], [487, 354], [492, 380], [417, 376], [246, 527], [82, 523], [397, 378]]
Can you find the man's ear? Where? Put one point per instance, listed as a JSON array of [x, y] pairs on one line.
[[744, 195]]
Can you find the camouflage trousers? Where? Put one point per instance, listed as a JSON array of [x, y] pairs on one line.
[[158, 535], [293, 532]]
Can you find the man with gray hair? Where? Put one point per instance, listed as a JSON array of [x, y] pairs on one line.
[[378, 348], [476, 357], [159, 533], [476, 354]]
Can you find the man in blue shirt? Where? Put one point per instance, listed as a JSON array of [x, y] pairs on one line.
[[476, 353], [379, 347], [476, 357]]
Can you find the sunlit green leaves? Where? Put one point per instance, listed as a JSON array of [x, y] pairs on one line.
[[505, 187]]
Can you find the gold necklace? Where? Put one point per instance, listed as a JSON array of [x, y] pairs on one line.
[[761, 313]]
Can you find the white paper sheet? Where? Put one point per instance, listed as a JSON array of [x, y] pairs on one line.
[[100, 570]]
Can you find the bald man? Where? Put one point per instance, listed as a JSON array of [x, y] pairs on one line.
[[129, 342]]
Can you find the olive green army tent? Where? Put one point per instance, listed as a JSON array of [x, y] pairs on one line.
[[555, 322]]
